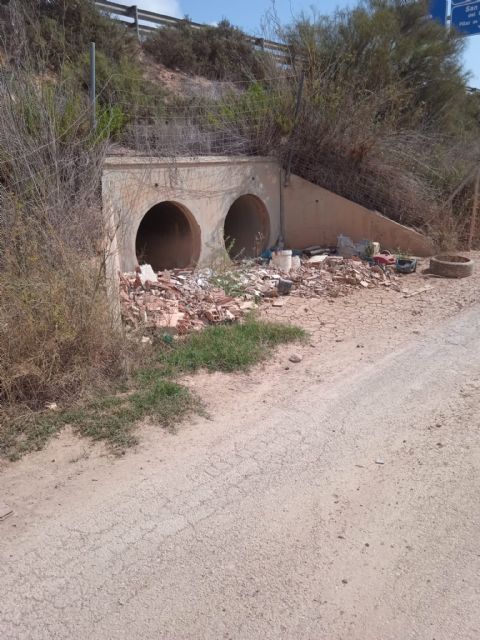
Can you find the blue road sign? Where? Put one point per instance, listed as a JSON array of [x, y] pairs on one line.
[[466, 18], [438, 10]]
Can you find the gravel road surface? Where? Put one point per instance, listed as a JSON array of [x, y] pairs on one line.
[[338, 498]]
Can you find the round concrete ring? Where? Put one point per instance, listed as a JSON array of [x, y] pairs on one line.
[[450, 266]]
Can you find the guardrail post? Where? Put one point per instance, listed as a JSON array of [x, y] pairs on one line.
[[134, 14], [260, 42]]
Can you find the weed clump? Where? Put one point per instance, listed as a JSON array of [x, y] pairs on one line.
[[227, 348], [152, 392]]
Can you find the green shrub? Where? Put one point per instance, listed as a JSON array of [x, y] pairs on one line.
[[386, 119], [220, 53]]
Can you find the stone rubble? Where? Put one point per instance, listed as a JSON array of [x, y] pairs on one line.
[[185, 300]]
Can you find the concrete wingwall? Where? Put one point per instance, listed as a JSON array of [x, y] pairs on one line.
[[314, 216]]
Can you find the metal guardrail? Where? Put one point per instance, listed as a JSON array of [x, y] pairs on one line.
[[135, 17]]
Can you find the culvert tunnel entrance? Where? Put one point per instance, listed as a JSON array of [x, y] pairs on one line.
[[168, 237], [247, 229]]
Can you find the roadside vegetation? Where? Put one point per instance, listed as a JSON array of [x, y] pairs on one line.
[[387, 120], [150, 392], [221, 52]]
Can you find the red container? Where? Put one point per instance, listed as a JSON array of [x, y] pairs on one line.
[[385, 257]]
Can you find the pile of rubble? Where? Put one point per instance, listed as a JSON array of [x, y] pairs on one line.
[[184, 300], [180, 300], [319, 276]]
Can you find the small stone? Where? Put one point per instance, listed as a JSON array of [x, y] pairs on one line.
[[345, 581], [295, 358]]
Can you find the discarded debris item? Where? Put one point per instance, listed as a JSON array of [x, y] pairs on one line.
[[345, 246], [5, 511], [379, 461], [282, 260], [375, 248], [296, 263], [409, 294], [146, 273], [318, 259], [266, 255], [284, 286], [451, 266], [278, 302], [364, 248], [317, 250], [406, 265], [384, 258], [51, 406]]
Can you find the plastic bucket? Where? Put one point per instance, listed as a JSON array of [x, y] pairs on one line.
[[282, 260]]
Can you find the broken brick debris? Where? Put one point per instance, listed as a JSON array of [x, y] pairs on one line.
[[179, 301], [185, 300]]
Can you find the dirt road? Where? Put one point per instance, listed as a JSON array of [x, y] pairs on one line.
[[333, 499]]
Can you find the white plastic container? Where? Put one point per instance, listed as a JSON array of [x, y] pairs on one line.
[[282, 260], [296, 263]]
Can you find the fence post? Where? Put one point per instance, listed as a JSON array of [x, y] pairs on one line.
[[92, 88], [473, 219], [297, 111]]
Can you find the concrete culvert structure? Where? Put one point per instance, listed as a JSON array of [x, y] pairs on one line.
[[168, 237], [247, 227]]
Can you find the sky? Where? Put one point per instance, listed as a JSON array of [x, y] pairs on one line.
[[249, 15]]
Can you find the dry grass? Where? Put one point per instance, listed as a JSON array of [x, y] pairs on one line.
[[56, 331]]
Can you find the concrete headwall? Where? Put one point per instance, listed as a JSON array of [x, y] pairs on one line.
[[314, 215], [205, 188]]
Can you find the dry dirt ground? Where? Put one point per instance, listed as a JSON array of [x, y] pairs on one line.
[[336, 498]]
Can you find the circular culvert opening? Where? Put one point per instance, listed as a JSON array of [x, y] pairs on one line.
[[247, 229], [168, 237]]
